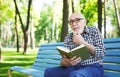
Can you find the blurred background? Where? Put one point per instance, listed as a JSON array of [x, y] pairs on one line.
[[26, 24]]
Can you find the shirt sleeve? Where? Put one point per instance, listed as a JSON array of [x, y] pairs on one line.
[[98, 43], [68, 42]]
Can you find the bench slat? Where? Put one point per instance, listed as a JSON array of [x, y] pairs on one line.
[[52, 44], [46, 65], [29, 71], [111, 59], [111, 40], [113, 67], [112, 52], [38, 61], [48, 56], [112, 46], [111, 74], [48, 52]]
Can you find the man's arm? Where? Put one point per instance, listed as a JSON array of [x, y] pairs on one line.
[[78, 39]]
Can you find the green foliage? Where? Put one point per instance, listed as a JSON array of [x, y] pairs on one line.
[[45, 24], [89, 9], [50, 23], [111, 15], [111, 12], [6, 11]]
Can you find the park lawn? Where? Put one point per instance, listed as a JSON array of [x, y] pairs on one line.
[[11, 58]]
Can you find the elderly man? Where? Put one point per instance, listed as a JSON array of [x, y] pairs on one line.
[[76, 67]]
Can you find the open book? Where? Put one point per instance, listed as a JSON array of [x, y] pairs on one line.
[[80, 51]]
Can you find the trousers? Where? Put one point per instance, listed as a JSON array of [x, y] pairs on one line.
[[93, 70]]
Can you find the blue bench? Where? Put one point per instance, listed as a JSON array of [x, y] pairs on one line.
[[48, 56]]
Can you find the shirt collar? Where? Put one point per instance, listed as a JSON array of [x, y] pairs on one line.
[[86, 30]]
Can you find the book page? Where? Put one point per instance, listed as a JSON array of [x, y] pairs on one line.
[[63, 49], [82, 45]]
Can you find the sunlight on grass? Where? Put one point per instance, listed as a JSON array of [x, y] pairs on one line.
[[11, 58]]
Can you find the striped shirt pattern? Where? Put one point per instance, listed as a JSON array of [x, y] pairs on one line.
[[93, 36]]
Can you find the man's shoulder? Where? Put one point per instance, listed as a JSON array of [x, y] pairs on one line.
[[91, 27], [69, 35]]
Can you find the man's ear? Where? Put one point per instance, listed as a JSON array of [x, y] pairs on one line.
[[85, 22]]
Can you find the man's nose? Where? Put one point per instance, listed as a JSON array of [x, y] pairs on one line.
[[74, 23]]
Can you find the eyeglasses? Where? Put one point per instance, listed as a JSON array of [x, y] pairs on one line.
[[76, 20]]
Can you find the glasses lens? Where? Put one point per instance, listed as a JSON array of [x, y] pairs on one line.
[[76, 20]]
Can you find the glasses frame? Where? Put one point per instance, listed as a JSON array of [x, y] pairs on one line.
[[76, 20]]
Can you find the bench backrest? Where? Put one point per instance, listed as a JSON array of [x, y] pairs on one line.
[[112, 58], [48, 56]]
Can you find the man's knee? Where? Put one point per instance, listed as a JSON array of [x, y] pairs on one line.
[[47, 72]]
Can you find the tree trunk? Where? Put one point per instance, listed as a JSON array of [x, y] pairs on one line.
[[72, 6], [25, 42], [17, 11], [117, 16], [100, 15], [32, 38], [0, 53], [104, 18], [17, 36], [65, 19], [24, 29], [0, 44]]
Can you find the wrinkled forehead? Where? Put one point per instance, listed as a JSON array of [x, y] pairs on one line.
[[76, 15]]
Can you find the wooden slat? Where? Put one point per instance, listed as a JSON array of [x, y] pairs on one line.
[[111, 40], [46, 65], [111, 66], [52, 44], [48, 56], [39, 68], [112, 46], [28, 71], [47, 61], [111, 74], [111, 59], [48, 48], [112, 52]]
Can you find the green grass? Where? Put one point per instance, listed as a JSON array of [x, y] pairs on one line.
[[11, 58]]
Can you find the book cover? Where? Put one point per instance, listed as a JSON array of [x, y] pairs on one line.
[[80, 51]]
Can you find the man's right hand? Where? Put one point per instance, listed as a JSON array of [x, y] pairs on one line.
[[70, 62]]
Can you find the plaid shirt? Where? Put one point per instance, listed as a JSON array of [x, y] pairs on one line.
[[93, 37]]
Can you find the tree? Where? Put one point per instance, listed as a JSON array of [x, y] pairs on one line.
[[104, 18], [5, 16], [72, 6], [16, 29], [0, 54], [100, 15], [65, 19], [0, 46], [112, 14], [117, 16], [24, 28]]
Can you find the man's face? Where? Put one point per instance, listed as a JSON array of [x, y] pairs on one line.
[[77, 23]]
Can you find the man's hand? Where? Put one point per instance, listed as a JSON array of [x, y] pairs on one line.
[[70, 62], [78, 39]]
